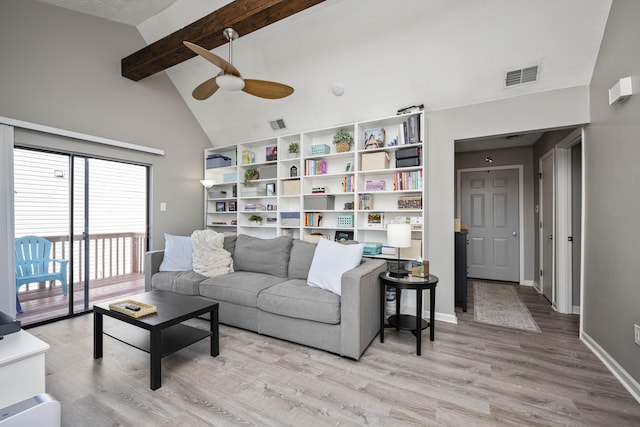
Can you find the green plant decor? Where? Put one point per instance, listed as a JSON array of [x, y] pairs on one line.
[[251, 174], [294, 147], [255, 218], [343, 136]]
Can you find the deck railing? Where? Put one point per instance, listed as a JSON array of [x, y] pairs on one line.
[[110, 254]]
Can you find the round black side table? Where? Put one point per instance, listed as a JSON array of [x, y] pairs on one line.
[[407, 322]]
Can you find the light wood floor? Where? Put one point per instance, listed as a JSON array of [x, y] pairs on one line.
[[472, 375]]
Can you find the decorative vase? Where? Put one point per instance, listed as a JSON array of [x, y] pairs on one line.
[[343, 146]]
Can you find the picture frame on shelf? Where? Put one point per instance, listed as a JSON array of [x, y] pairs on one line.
[[373, 138], [375, 220], [271, 189], [343, 236], [232, 207], [221, 206], [271, 153], [348, 167]]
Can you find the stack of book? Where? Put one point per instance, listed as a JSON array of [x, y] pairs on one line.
[[374, 185], [408, 180], [315, 167], [347, 184], [312, 219]]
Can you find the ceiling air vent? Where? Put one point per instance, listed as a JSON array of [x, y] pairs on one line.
[[278, 124], [524, 75]]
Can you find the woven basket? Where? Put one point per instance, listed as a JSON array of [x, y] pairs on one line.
[[342, 146]]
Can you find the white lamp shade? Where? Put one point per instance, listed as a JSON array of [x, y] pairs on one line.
[[207, 183], [399, 235]]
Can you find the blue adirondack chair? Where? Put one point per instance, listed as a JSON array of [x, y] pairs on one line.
[[34, 262]]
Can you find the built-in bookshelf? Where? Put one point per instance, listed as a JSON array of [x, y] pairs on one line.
[[319, 190]]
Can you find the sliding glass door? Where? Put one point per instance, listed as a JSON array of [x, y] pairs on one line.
[[94, 211]]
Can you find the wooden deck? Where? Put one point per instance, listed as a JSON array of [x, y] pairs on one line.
[[43, 304]]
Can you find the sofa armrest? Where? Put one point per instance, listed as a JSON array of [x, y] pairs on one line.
[[152, 261], [360, 307]]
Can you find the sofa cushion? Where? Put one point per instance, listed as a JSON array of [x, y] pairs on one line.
[[209, 257], [178, 253], [239, 287], [180, 282], [300, 259], [294, 298], [330, 261], [269, 256], [229, 244]]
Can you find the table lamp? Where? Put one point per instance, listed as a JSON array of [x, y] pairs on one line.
[[399, 236]]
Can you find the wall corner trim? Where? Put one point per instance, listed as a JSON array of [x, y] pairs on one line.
[[80, 136]]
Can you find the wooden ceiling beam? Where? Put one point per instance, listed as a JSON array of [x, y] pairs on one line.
[[245, 16]]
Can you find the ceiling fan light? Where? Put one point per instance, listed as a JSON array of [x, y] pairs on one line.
[[230, 82]]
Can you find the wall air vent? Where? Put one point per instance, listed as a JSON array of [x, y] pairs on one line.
[[521, 76], [278, 124]]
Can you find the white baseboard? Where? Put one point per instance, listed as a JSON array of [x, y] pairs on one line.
[[443, 317], [575, 309], [536, 286], [618, 371], [528, 283]]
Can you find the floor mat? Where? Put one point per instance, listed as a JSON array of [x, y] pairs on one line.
[[499, 305]]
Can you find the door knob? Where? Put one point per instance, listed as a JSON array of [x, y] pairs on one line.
[[515, 234]]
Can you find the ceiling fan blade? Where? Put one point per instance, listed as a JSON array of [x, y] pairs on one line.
[[213, 58], [266, 89], [205, 89]]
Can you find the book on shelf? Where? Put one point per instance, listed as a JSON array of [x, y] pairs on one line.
[[248, 157], [312, 219], [366, 202], [411, 180], [375, 220], [347, 184], [374, 185], [413, 129], [410, 202], [315, 167]]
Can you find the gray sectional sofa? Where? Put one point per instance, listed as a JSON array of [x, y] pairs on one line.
[[268, 293]]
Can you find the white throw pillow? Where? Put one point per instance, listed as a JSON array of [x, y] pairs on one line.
[[330, 261], [209, 256], [178, 253]]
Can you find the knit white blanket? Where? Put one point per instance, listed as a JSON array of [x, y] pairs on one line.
[[209, 257]]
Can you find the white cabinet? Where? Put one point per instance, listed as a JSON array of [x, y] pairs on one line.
[[323, 191], [22, 369]]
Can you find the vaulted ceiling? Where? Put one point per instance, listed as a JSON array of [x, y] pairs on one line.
[[386, 55]]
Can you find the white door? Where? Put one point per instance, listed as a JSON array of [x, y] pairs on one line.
[[547, 227], [489, 205]]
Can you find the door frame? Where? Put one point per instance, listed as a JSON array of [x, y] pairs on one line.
[[563, 215], [520, 169], [541, 219]]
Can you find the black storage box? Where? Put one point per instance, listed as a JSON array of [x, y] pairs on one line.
[[8, 324], [408, 152], [409, 161], [218, 161]]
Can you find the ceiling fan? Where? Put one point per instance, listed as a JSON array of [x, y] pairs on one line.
[[230, 79]]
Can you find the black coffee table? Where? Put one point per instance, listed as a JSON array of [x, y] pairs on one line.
[[159, 334]]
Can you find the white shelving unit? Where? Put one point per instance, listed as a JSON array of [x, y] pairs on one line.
[[280, 195]]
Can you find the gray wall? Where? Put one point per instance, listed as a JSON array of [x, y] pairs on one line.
[[548, 110], [611, 292], [62, 69], [510, 157]]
